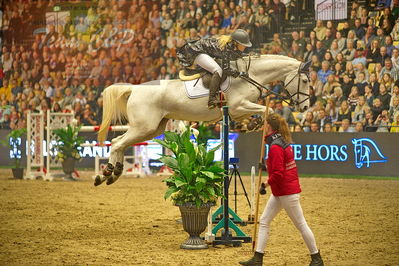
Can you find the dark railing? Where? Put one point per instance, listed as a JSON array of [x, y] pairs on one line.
[[332, 10]]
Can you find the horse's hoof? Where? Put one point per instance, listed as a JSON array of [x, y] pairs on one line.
[[97, 180], [110, 180]]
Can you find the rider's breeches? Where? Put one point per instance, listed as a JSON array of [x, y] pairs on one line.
[[208, 63], [291, 205]]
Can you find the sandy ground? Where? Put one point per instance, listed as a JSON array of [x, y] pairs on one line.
[[129, 223]]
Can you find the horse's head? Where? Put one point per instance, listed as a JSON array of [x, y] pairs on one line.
[[358, 153], [297, 87]]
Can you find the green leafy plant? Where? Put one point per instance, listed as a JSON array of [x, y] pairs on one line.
[[197, 179], [14, 134], [205, 133], [68, 143]]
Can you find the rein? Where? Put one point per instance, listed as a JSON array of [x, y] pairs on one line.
[[261, 87]]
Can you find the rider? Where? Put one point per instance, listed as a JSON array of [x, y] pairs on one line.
[[204, 51]]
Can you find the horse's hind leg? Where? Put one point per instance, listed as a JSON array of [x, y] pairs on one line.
[[110, 168], [134, 135]]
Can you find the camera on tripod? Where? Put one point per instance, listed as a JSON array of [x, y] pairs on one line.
[[234, 160]]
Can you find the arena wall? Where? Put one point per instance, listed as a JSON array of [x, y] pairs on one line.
[[332, 153], [316, 153]]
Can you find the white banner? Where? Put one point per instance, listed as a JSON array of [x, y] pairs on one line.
[[331, 9]]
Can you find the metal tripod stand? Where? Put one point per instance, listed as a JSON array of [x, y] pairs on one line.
[[235, 173]]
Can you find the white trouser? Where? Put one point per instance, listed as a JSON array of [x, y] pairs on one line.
[[291, 205], [208, 63]]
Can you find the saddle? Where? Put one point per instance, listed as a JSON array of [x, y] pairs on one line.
[[188, 74]]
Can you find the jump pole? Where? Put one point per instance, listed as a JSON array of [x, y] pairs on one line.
[[262, 152], [226, 223]]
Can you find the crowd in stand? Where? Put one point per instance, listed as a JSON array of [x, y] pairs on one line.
[[355, 64], [354, 75], [66, 67]]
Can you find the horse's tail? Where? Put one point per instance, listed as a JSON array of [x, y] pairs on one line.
[[114, 107]]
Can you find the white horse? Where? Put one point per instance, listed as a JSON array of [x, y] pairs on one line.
[[147, 108]]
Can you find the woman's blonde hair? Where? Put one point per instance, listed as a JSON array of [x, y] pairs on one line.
[[278, 124], [224, 40]]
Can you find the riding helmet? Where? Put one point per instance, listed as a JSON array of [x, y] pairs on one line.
[[242, 37]]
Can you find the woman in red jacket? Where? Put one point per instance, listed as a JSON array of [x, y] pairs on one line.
[[284, 183]]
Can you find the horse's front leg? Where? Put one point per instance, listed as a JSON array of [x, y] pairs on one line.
[[245, 109]]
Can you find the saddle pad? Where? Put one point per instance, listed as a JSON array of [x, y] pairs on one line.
[[196, 89]]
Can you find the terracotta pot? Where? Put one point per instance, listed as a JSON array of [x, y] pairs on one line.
[[194, 221], [68, 166]]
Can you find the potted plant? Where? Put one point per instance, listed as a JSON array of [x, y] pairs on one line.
[[13, 140], [195, 185], [68, 146]]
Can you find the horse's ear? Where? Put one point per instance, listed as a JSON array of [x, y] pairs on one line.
[[305, 66]]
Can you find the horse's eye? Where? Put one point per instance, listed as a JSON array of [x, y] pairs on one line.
[[305, 81]]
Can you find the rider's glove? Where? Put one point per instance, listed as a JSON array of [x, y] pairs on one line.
[[243, 74], [232, 72]]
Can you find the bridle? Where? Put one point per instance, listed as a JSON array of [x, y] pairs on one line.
[[302, 69], [296, 101]]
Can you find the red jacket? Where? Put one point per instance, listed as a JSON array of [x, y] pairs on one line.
[[283, 173]]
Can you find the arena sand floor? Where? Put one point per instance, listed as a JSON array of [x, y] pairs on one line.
[[356, 222]]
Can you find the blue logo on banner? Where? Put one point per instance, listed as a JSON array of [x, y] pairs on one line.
[[363, 152]]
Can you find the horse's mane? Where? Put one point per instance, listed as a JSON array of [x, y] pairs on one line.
[[242, 63]]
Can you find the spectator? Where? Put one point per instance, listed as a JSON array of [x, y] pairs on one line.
[[382, 122], [394, 94], [369, 37], [328, 128], [316, 84], [308, 52], [395, 125], [387, 16], [314, 127], [359, 58], [285, 112], [349, 52], [334, 49], [324, 72], [360, 109], [373, 54], [368, 122], [316, 65], [390, 69], [384, 97], [395, 57], [345, 126], [307, 121], [329, 86], [377, 108], [359, 127], [350, 71], [389, 45], [319, 50], [322, 119], [341, 41], [346, 85], [361, 83], [338, 96], [329, 38], [359, 30], [387, 81], [344, 112], [320, 30]]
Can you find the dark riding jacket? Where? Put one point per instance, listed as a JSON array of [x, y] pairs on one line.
[[210, 46]]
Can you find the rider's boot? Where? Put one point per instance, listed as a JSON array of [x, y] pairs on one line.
[[316, 260], [214, 86]]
